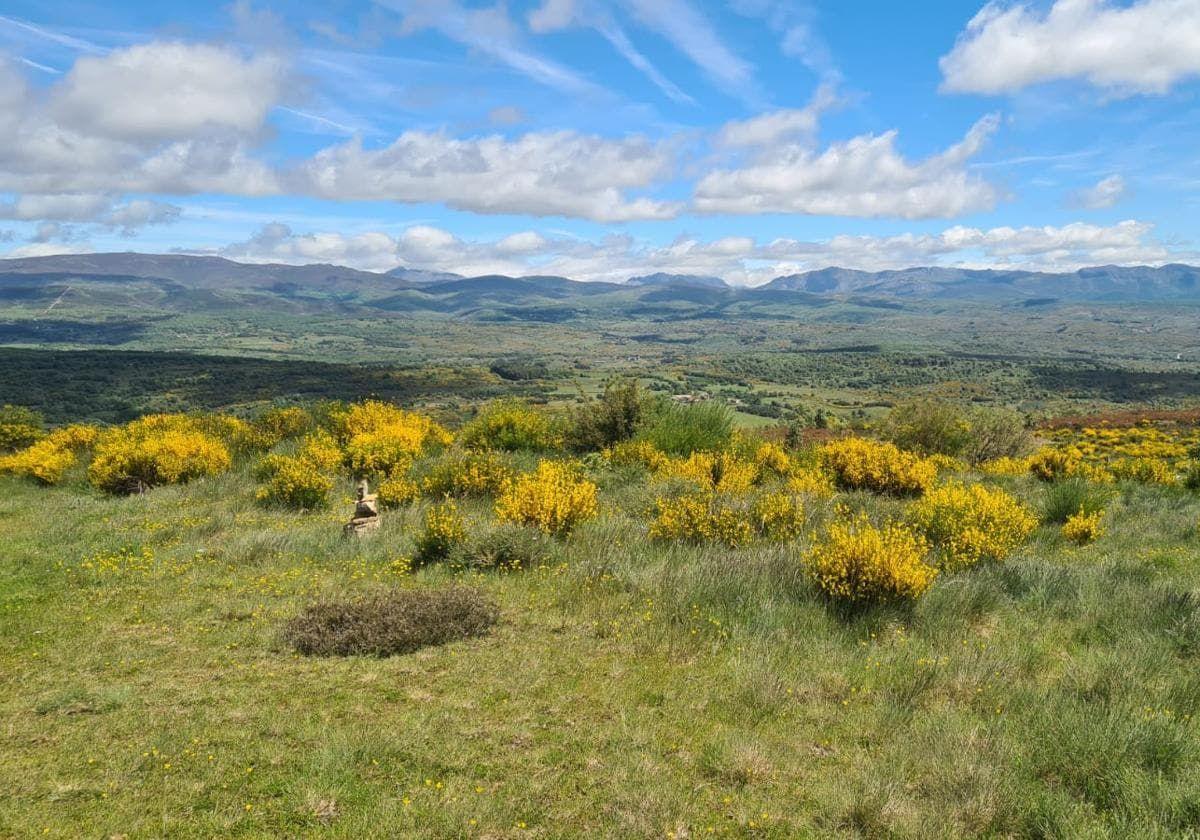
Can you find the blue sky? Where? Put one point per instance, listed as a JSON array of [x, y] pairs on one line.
[[604, 138]]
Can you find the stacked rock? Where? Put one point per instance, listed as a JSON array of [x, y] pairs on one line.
[[366, 513]]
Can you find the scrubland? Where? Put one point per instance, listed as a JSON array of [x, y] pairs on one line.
[[627, 620]]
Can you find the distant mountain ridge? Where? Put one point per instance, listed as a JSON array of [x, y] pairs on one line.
[[665, 279], [1109, 282], [416, 288]]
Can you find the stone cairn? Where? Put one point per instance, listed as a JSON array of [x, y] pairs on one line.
[[366, 513]]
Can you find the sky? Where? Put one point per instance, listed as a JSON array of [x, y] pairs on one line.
[[601, 139]]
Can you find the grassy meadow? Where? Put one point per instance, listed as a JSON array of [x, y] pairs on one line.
[[635, 685]]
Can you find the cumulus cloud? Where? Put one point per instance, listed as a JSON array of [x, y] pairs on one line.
[[167, 91], [153, 118], [540, 174], [195, 124], [740, 260], [1145, 47], [1108, 192], [865, 176], [789, 124], [276, 242], [106, 210]]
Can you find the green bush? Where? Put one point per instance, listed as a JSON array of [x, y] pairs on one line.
[[509, 547], [390, 623], [1065, 498], [512, 426], [1191, 475], [934, 427], [997, 433], [930, 427], [684, 429], [608, 419]]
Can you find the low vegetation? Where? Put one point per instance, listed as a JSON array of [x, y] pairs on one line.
[[691, 629], [390, 623]]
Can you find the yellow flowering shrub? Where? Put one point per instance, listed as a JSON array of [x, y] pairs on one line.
[[511, 426], [861, 464], [397, 491], [856, 561], [1083, 527], [811, 481], [771, 460], [48, 459], [296, 483], [947, 463], [637, 453], [1005, 466], [969, 523], [443, 532], [699, 518], [468, 474], [282, 423], [720, 472], [554, 499], [321, 448], [778, 517], [238, 435], [381, 438], [300, 481], [154, 450], [1050, 464], [1144, 470]]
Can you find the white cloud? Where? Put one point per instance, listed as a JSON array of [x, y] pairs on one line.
[[740, 260], [774, 126], [276, 242], [66, 207], [167, 91], [168, 118], [80, 139], [540, 174], [93, 208], [48, 249], [526, 242], [865, 176], [1144, 47], [1108, 192]]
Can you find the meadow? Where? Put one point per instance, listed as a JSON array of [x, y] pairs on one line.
[[943, 624]]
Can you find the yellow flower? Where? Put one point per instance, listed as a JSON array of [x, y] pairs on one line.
[[970, 523], [156, 449], [861, 464], [1083, 528], [553, 498], [856, 561]]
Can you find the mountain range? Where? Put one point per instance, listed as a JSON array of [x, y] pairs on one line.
[[178, 281]]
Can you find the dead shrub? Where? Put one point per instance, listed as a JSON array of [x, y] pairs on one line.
[[391, 622]]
